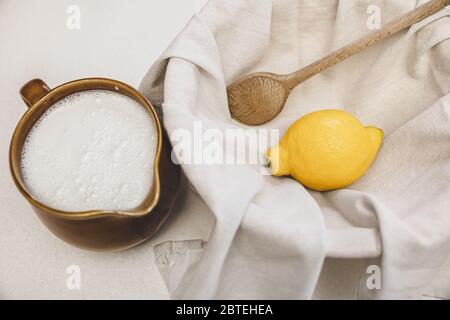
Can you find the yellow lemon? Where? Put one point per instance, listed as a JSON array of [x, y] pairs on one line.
[[326, 150]]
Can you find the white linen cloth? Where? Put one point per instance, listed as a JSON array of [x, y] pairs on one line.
[[269, 236]]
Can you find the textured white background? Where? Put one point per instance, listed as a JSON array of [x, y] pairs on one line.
[[118, 39]]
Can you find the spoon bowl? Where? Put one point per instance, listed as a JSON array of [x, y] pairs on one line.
[[256, 100]]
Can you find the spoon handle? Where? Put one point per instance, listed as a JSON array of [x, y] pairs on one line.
[[294, 79]]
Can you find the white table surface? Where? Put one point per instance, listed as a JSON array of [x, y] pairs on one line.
[[118, 39]]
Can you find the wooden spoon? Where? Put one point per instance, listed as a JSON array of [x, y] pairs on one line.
[[258, 98]]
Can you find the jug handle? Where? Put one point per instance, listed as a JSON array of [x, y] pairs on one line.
[[33, 90]]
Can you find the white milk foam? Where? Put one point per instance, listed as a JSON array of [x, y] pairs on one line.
[[93, 150]]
